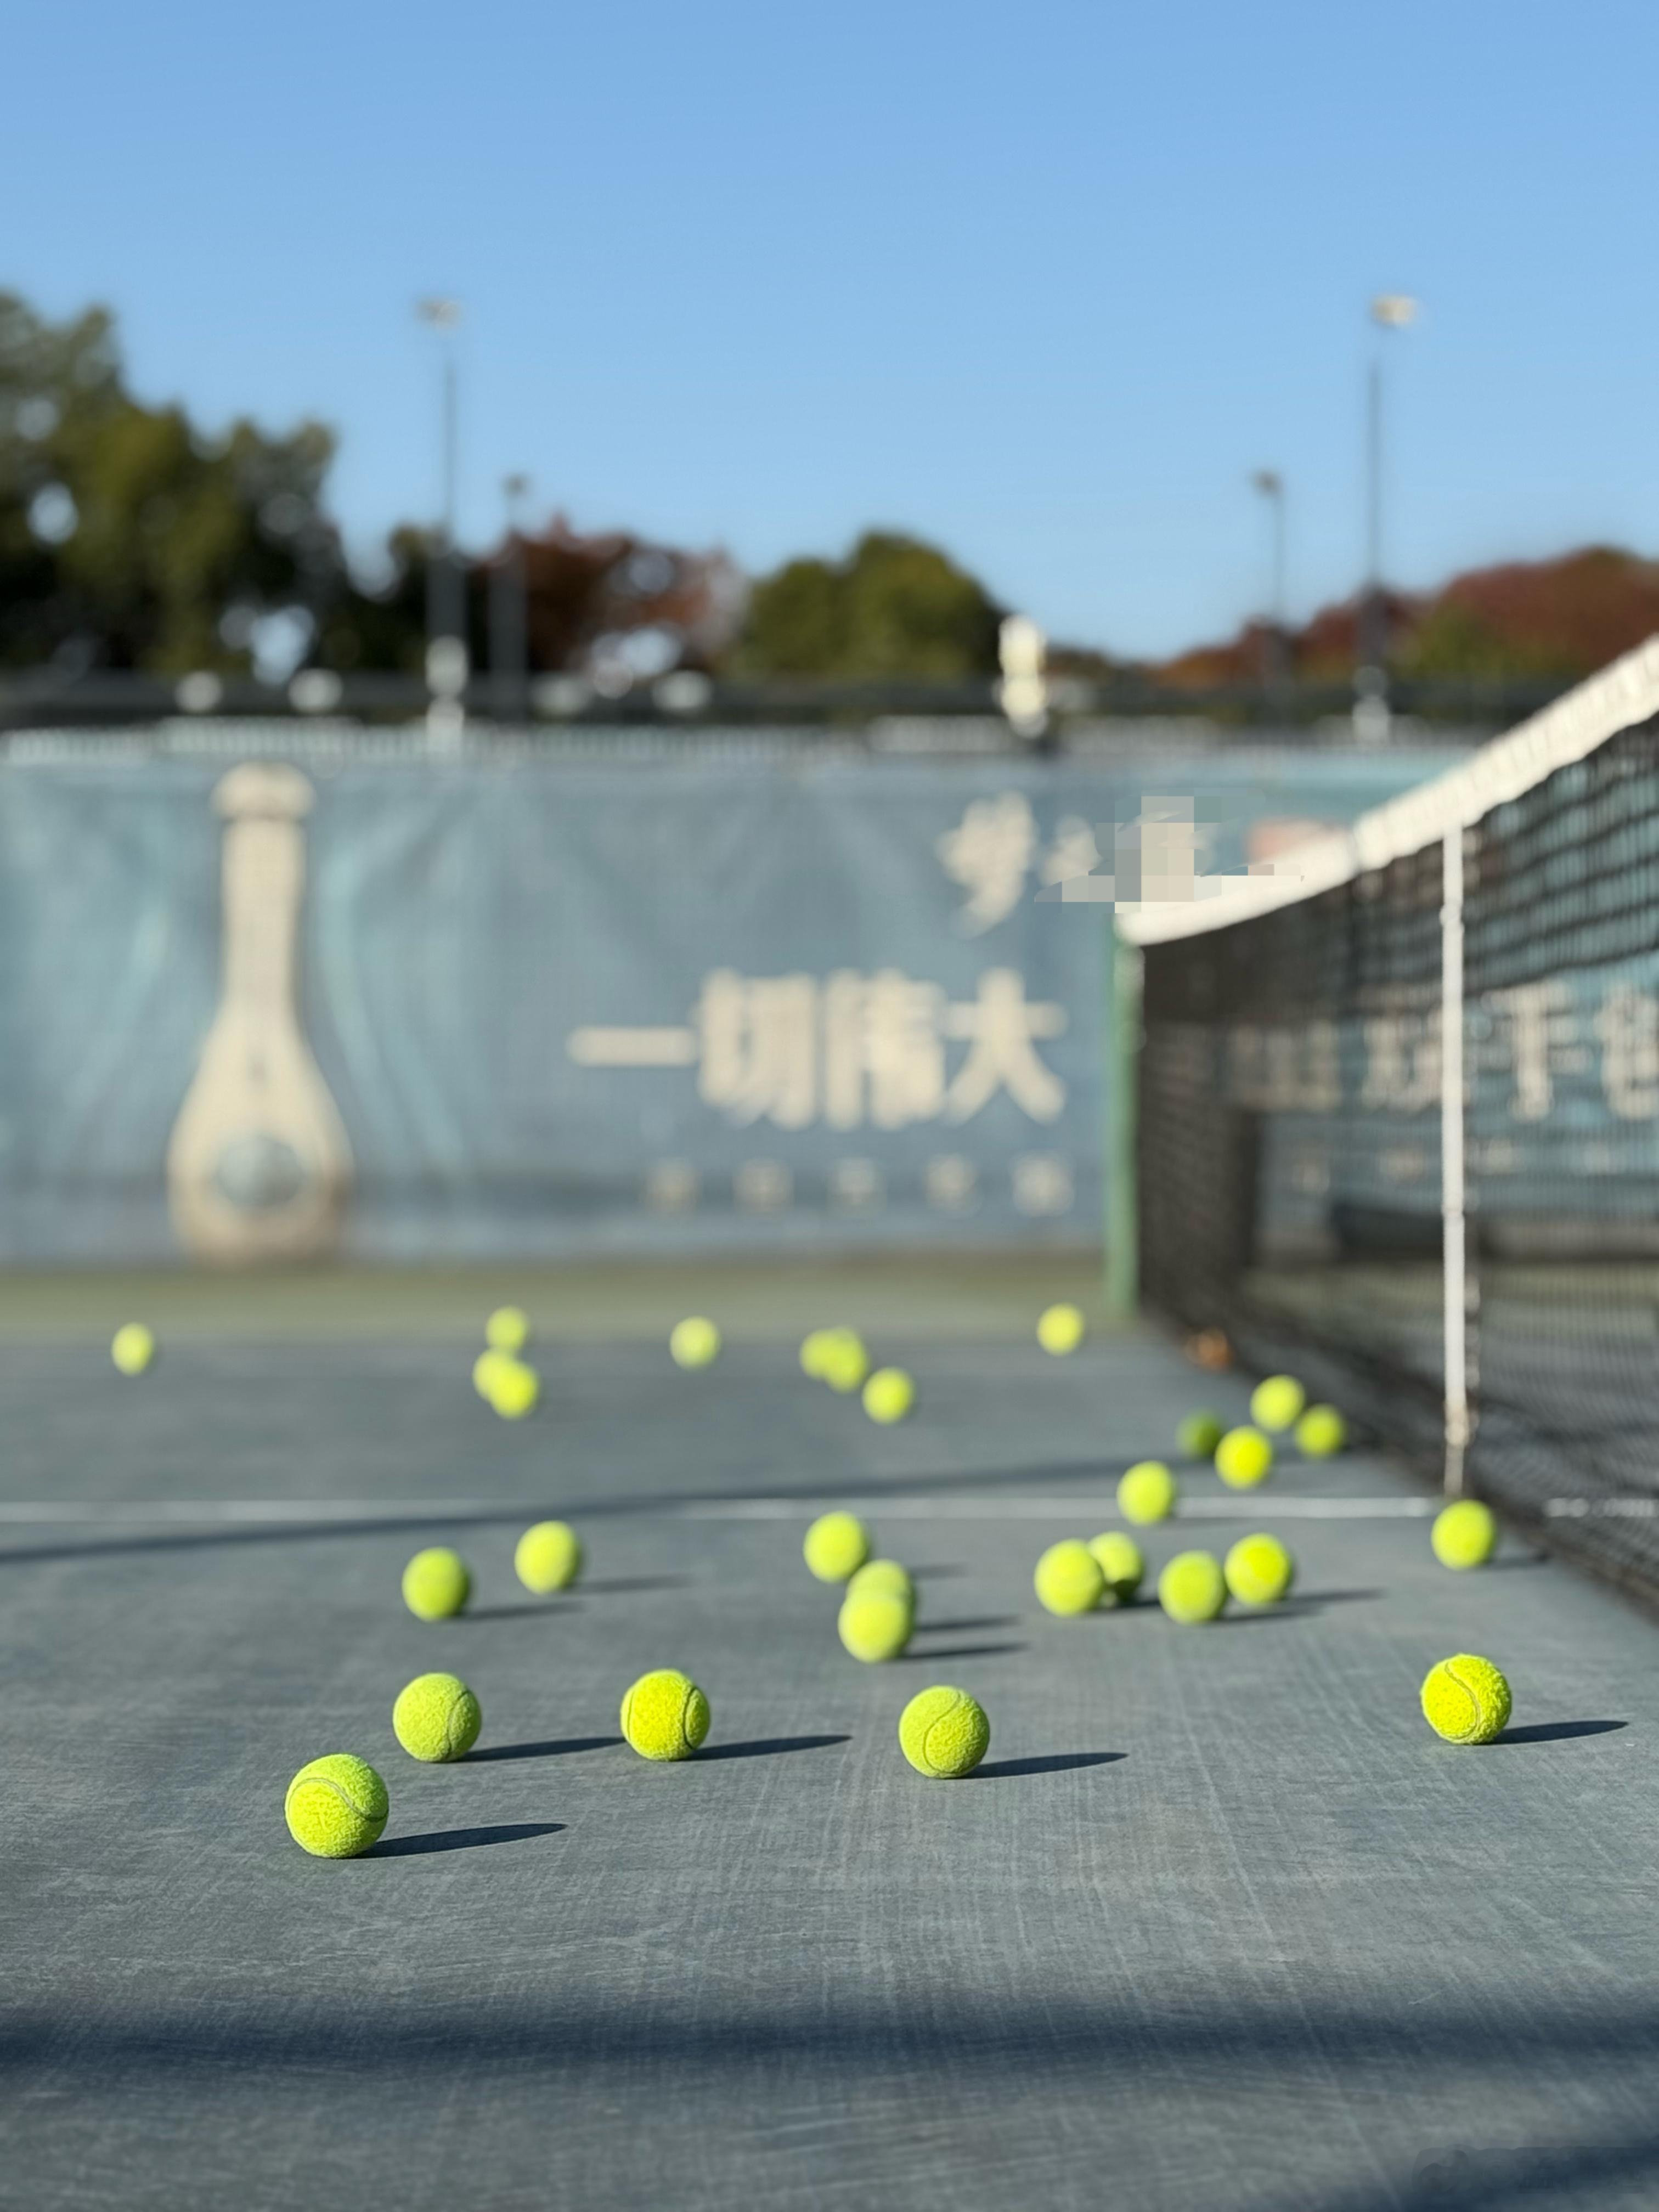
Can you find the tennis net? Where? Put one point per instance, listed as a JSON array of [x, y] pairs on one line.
[[1304, 1129]]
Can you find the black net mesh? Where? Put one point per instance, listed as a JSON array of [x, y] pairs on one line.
[[1291, 1157]]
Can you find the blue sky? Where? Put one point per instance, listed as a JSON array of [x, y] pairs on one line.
[[1042, 283]]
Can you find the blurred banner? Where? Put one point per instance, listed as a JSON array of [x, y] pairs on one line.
[[405, 1011]]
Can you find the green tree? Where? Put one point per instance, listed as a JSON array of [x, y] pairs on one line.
[[129, 538], [895, 607]]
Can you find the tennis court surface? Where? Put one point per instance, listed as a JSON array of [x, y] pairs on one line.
[[1218, 1922]]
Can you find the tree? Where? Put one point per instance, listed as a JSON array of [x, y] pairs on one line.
[[129, 537], [895, 607]]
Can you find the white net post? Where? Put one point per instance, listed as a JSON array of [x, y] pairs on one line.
[[1454, 1246]]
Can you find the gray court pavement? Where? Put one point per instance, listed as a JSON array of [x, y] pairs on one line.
[[1218, 1924]]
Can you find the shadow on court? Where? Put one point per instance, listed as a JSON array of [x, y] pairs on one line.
[[1297, 1607], [1056, 1762], [767, 1747], [967, 1627], [558, 1749], [1557, 1731], [461, 1839], [622, 1585], [959, 1651], [549, 1611]]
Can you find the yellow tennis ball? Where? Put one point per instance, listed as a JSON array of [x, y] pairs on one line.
[[1146, 1494], [1119, 1561], [1060, 1330], [487, 1370], [836, 1546], [337, 1806], [1068, 1578], [889, 1394], [694, 1342], [882, 1577], [548, 1556], [436, 1718], [436, 1584], [133, 1348], [813, 1347], [508, 1329], [1243, 1458], [845, 1362], [1466, 1700], [1321, 1431], [1259, 1569], [944, 1733], [1464, 1535], [665, 1715], [1198, 1435], [516, 1389], [1192, 1587], [875, 1623], [1277, 1403]]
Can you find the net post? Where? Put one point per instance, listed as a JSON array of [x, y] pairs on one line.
[[1122, 1223], [1452, 1194]]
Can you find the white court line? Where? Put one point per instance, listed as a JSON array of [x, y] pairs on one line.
[[276, 1512], [1045, 1509]]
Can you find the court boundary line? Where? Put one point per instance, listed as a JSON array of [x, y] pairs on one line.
[[282, 1512]]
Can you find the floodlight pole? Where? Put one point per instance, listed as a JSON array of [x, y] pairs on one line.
[[509, 610], [1270, 485], [1389, 311], [445, 596], [1452, 1194]]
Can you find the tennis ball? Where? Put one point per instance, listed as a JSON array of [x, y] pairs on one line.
[[1466, 1700], [133, 1348], [1146, 1493], [436, 1584], [943, 1733], [1118, 1559], [889, 1394], [882, 1577], [694, 1342], [337, 1806], [1192, 1587], [1259, 1569], [1068, 1578], [814, 1346], [508, 1329], [516, 1388], [436, 1718], [1464, 1535], [487, 1370], [1060, 1330], [1198, 1435], [1277, 1402], [875, 1623], [548, 1556], [665, 1715], [1321, 1431], [837, 1545], [1243, 1458], [845, 1362]]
